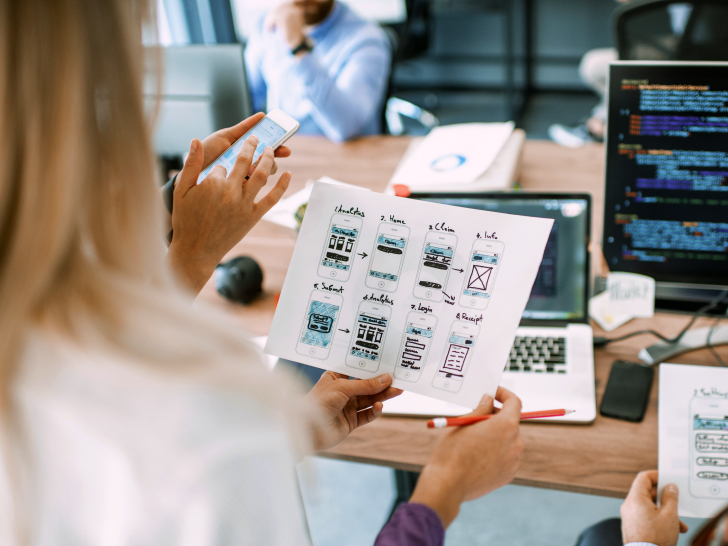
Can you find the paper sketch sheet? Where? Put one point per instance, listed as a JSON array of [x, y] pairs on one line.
[[693, 432], [430, 293], [453, 154]]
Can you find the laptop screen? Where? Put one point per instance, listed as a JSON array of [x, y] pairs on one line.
[[561, 288]]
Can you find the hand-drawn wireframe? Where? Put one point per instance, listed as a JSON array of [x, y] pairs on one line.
[[390, 246], [458, 353], [367, 339], [319, 324], [337, 258], [418, 333], [709, 448], [435, 265], [485, 258]]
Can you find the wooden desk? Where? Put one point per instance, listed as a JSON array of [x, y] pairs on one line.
[[600, 459]]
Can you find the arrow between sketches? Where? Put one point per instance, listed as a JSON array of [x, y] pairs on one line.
[[461, 270], [347, 331], [362, 254]]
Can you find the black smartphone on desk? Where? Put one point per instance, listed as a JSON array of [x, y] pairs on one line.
[[628, 391]]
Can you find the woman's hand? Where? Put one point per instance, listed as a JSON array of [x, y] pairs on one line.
[[643, 521], [347, 404], [209, 219], [473, 460]]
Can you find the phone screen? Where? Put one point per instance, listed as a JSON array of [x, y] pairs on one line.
[[319, 327], [458, 349], [268, 133], [416, 344], [370, 328], [710, 459], [342, 242], [436, 261], [388, 254], [481, 274]]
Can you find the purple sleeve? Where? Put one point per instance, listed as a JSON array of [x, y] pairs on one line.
[[412, 525]]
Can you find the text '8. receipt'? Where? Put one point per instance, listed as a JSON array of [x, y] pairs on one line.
[[429, 293]]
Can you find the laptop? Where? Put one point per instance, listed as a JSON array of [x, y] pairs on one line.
[[551, 364]]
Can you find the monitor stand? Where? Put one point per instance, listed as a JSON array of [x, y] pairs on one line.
[[692, 340]]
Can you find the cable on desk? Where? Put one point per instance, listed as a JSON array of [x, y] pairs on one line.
[[603, 341], [710, 334]]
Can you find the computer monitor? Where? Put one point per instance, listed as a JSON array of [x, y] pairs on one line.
[[560, 291], [666, 201], [204, 89]]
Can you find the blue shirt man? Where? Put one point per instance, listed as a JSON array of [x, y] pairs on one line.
[[324, 65]]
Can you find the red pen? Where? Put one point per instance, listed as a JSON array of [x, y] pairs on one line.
[[442, 422]]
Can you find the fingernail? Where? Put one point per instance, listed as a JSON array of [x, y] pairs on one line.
[[486, 398], [253, 139], [384, 379], [193, 146], [268, 149], [671, 488]]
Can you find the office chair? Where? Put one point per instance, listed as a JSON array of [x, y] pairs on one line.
[[395, 109], [669, 30]]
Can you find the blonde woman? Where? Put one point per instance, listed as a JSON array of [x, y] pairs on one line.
[[127, 416]]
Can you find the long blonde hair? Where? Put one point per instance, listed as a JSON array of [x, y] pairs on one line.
[[80, 214]]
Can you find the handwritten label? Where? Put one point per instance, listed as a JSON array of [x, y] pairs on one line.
[[354, 211], [465, 316], [487, 235], [419, 307], [393, 220], [440, 226], [383, 298], [712, 392], [329, 287], [450, 300]]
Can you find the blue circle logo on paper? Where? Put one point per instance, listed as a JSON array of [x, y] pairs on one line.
[[447, 162]]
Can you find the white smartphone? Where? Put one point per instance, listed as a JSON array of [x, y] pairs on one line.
[[709, 448], [418, 333], [485, 257], [367, 340], [340, 247], [385, 265], [435, 265], [319, 324], [273, 130], [458, 352]]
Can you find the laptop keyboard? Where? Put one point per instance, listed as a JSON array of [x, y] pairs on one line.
[[537, 354]]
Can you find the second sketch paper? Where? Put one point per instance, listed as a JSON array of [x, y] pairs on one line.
[[430, 293]]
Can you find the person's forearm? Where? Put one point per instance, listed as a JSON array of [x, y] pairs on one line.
[[189, 269], [412, 525], [436, 490], [343, 105]]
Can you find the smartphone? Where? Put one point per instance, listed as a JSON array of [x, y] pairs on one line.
[[385, 265], [458, 353], [418, 333], [628, 391], [709, 448], [273, 130], [340, 247], [367, 340], [485, 257], [435, 264], [319, 324]]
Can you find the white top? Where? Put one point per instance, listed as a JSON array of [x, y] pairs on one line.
[[118, 454]]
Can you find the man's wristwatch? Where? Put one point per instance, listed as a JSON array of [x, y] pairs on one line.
[[305, 45]]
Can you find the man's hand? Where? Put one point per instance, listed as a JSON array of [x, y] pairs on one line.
[[643, 521], [473, 460], [347, 404], [288, 20], [209, 219]]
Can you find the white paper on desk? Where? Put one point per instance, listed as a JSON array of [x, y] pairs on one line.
[[693, 435], [453, 154], [320, 319], [627, 296], [283, 212]]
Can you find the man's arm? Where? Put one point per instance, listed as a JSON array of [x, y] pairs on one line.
[[344, 104]]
